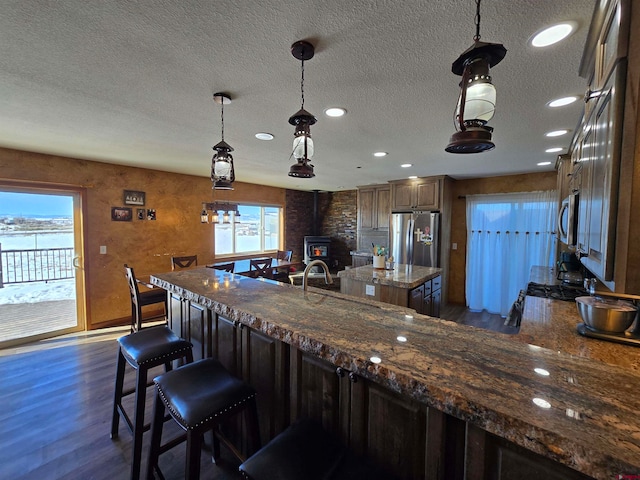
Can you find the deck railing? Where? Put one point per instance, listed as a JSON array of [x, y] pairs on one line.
[[36, 265]]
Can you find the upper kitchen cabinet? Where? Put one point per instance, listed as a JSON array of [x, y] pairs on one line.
[[374, 207], [419, 194], [598, 148]]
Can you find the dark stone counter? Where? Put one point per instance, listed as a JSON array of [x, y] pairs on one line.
[[577, 411]]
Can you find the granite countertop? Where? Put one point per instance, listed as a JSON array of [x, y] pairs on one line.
[[361, 253], [402, 275], [590, 421], [552, 324]]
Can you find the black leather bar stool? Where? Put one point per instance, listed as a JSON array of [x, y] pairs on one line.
[[143, 350], [199, 397], [306, 450]]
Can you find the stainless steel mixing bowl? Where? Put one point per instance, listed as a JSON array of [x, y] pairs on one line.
[[606, 315]]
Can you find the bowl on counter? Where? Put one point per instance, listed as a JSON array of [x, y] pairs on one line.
[[606, 314]]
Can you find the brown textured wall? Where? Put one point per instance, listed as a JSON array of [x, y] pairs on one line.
[[338, 217], [506, 184], [146, 245]]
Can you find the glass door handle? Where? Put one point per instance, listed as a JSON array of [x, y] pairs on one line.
[[76, 262]]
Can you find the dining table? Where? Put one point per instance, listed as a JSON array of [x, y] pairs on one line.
[[243, 267]]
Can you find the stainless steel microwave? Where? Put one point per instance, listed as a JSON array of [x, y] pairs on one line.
[[568, 220]]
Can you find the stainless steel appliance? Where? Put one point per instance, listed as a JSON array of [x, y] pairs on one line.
[[568, 220], [414, 238]]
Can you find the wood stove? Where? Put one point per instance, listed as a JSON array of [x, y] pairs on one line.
[[317, 248]]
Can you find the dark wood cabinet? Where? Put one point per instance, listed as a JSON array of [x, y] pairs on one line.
[[418, 194], [416, 299], [401, 436], [427, 298], [320, 391], [265, 366], [374, 207], [492, 457], [191, 322]]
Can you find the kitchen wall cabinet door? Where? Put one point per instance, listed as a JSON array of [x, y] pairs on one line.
[[599, 187], [419, 194], [374, 207]]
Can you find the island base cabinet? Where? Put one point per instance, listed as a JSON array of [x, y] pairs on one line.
[[265, 367], [491, 457], [320, 391], [192, 322], [402, 437]]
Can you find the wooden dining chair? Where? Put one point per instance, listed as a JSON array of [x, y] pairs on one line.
[[140, 299], [282, 274], [284, 255], [184, 262], [227, 267], [260, 267]]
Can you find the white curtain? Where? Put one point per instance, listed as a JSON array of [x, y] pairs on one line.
[[506, 235]]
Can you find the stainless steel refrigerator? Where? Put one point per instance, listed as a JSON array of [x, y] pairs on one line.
[[414, 238]]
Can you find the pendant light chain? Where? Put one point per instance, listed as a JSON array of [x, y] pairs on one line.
[[222, 116], [302, 85], [476, 38]]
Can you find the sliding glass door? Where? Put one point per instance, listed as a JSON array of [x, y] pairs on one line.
[[41, 263]]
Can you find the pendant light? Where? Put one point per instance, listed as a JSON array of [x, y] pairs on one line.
[[477, 99], [222, 172], [302, 120], [204, 215]]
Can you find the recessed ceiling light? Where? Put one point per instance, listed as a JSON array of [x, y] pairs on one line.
[[413, 177], [556, 133], [264, 136], [542, 164], [406, 165], [553, 150], [561, 102], [335, 112], [380, 154], [553, 34]]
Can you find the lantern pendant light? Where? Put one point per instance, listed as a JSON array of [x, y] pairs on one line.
[[302, 120], [477, 99], [222, 171]]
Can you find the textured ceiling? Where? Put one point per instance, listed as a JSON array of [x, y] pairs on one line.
[[131, 82]]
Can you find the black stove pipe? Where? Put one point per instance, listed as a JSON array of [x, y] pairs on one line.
[[314, 228]]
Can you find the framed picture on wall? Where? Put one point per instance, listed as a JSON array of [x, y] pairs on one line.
[[142, 213], [121, 214], [132, 197]]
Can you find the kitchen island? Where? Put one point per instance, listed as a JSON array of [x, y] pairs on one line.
[[411, 286], [422, 397]]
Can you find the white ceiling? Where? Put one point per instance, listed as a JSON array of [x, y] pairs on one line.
[[131, 83]]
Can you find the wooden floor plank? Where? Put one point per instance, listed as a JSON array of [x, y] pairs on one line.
[[57, 397]]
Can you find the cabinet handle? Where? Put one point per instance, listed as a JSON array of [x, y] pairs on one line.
[[581, 253], [353, 377], [340, 372]]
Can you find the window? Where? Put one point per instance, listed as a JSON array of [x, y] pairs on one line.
[[256, 230], [506, 235]]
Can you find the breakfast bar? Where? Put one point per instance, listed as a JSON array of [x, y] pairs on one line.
[[421, 397]]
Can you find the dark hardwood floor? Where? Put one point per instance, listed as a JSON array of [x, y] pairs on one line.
[[484, 319], [56, 398]]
